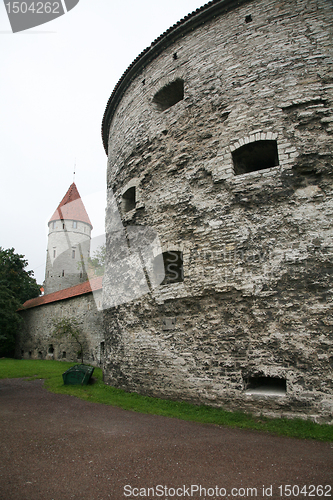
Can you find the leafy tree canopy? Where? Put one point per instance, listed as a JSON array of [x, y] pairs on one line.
[[9, 321], [15, 278], [16, 286]]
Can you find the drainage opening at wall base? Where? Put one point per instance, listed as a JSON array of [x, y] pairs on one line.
[[169, 95], [255, 156], [267, 386], [128, 200]]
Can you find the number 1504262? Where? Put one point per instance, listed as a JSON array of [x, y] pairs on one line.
[[33, 7], [289, 490]]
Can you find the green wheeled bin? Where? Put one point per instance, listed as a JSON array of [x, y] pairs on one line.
[[78, 374]]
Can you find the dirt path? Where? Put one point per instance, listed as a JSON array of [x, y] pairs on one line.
[[55, 447]]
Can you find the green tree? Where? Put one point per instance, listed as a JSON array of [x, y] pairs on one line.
[[9, 321], [97, 261], [70, 328], [16, 286]]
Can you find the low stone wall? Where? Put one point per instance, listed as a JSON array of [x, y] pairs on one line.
[[36, 339]]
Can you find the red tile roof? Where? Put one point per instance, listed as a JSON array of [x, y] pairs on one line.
[[81, 289], [71, 207]]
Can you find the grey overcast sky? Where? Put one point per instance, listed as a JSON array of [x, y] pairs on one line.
[[54, 85]]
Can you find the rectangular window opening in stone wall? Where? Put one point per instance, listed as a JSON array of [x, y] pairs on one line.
[[169, 95], [274, 386], [255, 156], [73, 253], [128, 200], [173, 268], [74, 224]]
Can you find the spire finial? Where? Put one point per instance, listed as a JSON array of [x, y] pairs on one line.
[[74, 170]]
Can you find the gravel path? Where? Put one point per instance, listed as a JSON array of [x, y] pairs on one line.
[[56, 447]]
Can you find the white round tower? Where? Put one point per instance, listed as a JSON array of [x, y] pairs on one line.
[[68, 243]]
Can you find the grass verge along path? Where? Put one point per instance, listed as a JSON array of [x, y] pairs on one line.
[[51, 372]]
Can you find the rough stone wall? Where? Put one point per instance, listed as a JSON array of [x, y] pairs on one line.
[[64, 271], [256, 298], [36, 340]]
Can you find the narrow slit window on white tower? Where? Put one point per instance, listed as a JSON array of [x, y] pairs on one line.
[[73, 253], [54, 253], [74, 224]]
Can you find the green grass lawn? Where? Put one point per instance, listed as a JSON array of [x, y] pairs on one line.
[[98, 392]]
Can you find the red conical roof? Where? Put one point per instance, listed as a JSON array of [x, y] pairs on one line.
[[71, 207]]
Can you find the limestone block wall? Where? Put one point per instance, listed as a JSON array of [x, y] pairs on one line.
[[36, 339], [256, 299]]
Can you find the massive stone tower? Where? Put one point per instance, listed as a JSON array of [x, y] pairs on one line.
[[68, 243], [219, 137]]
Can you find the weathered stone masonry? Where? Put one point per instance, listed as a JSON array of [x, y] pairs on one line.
[[82, 302], [68, 293], [234, 85]]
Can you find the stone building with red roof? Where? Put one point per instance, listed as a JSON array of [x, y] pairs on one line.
[[68, 292]]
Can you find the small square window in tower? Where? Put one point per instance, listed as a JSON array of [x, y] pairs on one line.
[[169, 95], [128, 200], [173, 268], [255, 156]]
